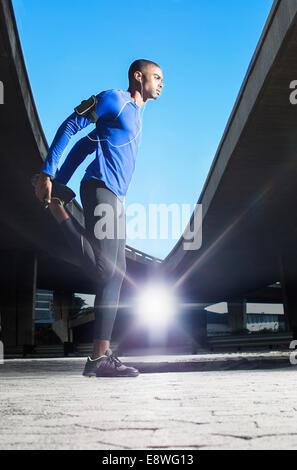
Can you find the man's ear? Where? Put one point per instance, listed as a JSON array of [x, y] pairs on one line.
[[138, 76]]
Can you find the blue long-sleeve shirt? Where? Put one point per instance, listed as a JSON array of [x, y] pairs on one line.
[[84, 147], [118, 129]]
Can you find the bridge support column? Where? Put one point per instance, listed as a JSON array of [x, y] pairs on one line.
[[62, 306], [237, 316], [198, 330], [17, 298], [288, 271]]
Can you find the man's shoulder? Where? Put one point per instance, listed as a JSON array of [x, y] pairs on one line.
[[110, 103], [113, 93]]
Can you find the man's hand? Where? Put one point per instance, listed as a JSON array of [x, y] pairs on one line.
[[43, 188]]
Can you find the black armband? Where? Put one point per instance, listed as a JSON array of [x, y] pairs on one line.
[[87, 109]]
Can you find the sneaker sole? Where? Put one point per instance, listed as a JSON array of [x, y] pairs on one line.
[[119, 375], [97, 376]]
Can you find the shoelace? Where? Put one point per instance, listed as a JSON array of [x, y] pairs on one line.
[[115, 360]]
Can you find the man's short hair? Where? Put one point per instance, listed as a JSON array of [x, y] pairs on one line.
[[139, 65]]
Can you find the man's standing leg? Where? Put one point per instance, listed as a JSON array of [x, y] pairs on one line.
[[111, 262], [106, 305]]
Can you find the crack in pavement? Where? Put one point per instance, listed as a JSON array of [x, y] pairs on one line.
[[248, 438], [167, 399], [189, 422], [114, 445], [115, 429]]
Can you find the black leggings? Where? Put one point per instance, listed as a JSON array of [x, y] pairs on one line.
[[103, 260]]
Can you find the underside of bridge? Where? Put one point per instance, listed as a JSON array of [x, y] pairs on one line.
[[249, 229], [249, 200], [34, 252]]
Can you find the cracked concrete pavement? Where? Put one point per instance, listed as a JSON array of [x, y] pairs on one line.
[[48, 404]]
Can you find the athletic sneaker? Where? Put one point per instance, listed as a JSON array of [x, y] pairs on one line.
[[108, 365], [59, 191]]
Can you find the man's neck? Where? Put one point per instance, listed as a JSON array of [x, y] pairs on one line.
[[136, 97]]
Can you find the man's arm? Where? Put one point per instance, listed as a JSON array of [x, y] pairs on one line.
[[84, 147], [108, 108], [68, 128]]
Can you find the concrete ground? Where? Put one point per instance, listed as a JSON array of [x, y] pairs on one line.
[[48, 404]]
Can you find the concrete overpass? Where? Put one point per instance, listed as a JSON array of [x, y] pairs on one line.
[[34, 252], [248, 200]]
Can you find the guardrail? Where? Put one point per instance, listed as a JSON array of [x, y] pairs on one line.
[[241, 342], [277, 341], [138, 255]]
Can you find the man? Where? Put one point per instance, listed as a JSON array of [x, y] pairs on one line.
[[106, 181]]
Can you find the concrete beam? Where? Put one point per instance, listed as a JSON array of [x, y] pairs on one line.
[[26, 292], [62, 306], [8, 304], [288, 275], [198, 329], [237, 316], [17, 298]]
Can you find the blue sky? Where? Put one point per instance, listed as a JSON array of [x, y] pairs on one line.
[[73, 49]]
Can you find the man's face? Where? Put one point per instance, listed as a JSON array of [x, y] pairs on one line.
[[152, 82]]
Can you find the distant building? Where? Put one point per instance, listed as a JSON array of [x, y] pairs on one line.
[[269, 321], [44, 310], [217, 323]]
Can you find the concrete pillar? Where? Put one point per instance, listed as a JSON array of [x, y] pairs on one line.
[[198, 329], [26, 290], [17, 298], [8, 299], [237, 316], [288, 277], [62, 306]]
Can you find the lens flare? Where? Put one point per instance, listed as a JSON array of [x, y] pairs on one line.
[[155, 304]]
